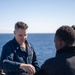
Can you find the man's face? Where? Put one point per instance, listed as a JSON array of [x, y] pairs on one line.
[[57, 42], [20, 35]]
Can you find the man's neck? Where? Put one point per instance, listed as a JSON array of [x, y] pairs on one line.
[[23, 45]]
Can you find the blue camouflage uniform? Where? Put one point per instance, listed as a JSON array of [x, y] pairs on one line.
[[12, 56]]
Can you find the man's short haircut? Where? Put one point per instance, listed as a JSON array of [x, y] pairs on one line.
[[67, 34], [21, 25]]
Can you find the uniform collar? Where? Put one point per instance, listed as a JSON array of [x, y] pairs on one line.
[[66, 49], [15, 42]]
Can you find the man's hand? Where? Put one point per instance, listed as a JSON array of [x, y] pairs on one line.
[[28, 67]]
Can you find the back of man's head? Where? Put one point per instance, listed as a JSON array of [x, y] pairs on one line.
[[66, 34]]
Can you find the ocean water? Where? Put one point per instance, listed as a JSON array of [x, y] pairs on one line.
[[43, 45]]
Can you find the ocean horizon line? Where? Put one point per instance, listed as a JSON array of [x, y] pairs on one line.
[[30, 33]]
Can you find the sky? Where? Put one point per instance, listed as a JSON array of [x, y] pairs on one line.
[[42, 16]]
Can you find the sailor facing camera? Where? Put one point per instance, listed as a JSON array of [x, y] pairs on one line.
[[18, 56]]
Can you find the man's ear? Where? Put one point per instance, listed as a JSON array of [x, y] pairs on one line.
[[60, 43]]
